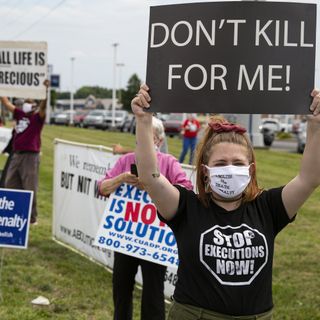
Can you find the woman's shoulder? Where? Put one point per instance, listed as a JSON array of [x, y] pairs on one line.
[[186, 193], [267, 193], [128, 157], [166, 156], [268, 198]]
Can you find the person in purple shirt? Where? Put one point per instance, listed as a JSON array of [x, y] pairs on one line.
[[23, 169], [125, 267]]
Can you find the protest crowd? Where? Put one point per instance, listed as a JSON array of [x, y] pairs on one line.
[[202, 218]]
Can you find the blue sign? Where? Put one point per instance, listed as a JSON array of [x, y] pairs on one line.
[[15, 212], [55, 81]]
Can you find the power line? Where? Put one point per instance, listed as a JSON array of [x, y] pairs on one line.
[[10, 9], [24, 13], [39, 20]]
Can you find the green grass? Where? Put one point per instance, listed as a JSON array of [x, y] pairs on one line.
[[284, 135], [80, 289]]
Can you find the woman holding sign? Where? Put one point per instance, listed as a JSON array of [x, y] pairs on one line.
[[125, 267], [225, 233]]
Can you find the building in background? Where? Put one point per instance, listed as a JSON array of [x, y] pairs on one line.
[[90, 103]]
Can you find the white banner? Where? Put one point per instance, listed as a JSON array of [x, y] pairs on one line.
[[78, 208], [130, 225], [5, 136], [23, 69]]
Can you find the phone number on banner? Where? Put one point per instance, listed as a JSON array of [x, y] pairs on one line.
[[141, 251]]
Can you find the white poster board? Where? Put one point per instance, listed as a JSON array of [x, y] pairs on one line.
[[77, 206], [23, 69], [5, 136], [130, 225]]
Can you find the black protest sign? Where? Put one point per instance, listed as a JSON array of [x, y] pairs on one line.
[[232, 57]]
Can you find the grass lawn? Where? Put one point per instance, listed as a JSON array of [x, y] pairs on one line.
[[80, 289]]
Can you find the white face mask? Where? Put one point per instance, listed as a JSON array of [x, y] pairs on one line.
[[229, 181], [27, 107]]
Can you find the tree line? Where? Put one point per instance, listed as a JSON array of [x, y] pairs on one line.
[[124, 95]]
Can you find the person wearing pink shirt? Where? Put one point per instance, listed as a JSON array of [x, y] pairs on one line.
[[125, 267]]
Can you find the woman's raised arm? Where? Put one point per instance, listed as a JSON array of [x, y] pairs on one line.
[[297, 191], [162, 192]]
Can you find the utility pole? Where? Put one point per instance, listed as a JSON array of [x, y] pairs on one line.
[[120, 65], [71, 91], [48, 106], [115, 45]]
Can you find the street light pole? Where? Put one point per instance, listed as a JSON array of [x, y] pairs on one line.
[[114, 83], [71, 91], [254, 120], [48, 106], [120, 65]]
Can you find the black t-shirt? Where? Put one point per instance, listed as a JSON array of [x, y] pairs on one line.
[[226, 256]]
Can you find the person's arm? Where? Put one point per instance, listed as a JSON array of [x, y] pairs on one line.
[[43, 103], [119, 149], [296, 192], [108, 186], [8, 105], [176, 175], [164, 195]]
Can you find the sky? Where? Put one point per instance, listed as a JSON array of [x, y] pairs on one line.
[[86, 31]]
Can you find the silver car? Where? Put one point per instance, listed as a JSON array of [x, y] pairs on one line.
[[120, 117], [96, 119], [62, 118]]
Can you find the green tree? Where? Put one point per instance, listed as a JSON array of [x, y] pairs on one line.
[[127, 95], [98, 92], [85, 91], [53, 97], [63, 95]]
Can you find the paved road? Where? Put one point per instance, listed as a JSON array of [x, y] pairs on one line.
[[285, 145]]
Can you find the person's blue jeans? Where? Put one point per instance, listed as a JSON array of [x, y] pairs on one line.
[[188, 143]]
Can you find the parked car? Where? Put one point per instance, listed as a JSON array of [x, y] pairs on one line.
[[286, 126], [129, 124], [270, 123], [268, 136], [95, 119], [120, 117], [173, 123], [301, 137], [62, 118], [162, 116], [53, 115], [79, 117]]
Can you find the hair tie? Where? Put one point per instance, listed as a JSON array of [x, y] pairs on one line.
[[226, 127]]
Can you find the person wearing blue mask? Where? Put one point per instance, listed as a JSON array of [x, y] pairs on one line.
[[226, 231]]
